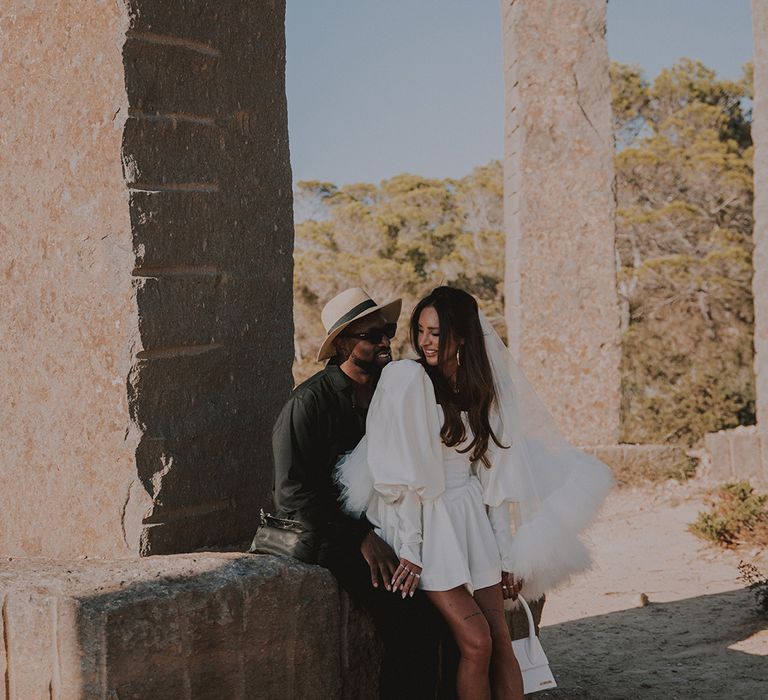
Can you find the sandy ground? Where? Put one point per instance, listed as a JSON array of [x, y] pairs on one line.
[[699, 636]]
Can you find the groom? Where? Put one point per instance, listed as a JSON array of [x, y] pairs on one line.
[[323, 419]]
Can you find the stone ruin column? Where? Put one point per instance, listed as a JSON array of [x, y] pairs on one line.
[[145, 277], [760, 234], [559, 202]]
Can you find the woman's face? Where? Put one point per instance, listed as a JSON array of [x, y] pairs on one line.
[[429, 338]]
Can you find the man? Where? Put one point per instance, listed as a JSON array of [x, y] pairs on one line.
[[323, 419]]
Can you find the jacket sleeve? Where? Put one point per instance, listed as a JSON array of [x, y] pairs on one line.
[[303, 485]]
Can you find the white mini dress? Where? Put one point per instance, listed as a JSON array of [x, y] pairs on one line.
[[454, 536], [426, 500]]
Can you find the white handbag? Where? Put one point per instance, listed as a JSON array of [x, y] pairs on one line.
[[531, 658]]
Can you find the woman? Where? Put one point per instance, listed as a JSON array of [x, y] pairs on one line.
[[464, 474]]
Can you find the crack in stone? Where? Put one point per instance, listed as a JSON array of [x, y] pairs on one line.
[[124, 509], [578, 102], [6, 644], [55, 682]]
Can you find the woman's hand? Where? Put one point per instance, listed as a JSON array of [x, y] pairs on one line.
[[380, 558], [406, 578], [510, 586]]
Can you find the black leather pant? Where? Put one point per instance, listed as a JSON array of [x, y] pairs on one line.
[[411, 630]]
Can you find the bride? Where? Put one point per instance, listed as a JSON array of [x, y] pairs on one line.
[[464, 474]]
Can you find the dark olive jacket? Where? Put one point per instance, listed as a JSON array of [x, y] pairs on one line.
[[318, 424]]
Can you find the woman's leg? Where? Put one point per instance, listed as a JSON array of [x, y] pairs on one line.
[[473, 637], [506, 679]]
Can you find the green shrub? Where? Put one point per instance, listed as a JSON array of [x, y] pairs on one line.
[[737, 514]]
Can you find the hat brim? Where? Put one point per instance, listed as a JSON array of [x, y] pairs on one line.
[[391, 313]]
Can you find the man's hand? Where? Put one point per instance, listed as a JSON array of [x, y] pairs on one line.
[[510, 586], [380, 558]]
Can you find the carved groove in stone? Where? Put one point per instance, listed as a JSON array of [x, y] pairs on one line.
[[178, 351], [174, 187], [166, 40], [173, 117], [178, 271], [168, 516]]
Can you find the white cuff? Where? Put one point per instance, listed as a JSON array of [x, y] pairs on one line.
[[502, 530], [411, 552], [409, 527]]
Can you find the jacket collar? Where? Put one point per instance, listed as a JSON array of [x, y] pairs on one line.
[[339, 380]]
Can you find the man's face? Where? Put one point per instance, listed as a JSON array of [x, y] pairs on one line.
[[370, 357]]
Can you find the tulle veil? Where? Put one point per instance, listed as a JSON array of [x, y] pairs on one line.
[[554, 490]]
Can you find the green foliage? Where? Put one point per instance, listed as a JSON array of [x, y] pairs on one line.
[[737, 514], [398, 239], [684, 245]]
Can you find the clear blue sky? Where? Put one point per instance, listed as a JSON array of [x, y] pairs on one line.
[[379, 88]]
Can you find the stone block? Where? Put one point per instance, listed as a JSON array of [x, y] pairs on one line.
[[202, 626], [746, 449], [718, 445]]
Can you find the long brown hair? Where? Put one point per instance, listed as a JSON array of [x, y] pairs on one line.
[[459, 320]]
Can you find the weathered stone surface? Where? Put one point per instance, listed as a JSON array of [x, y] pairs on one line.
[[737, 454], [746, 449], [186, 626], [760, 232], [67, 318], [148, 142], [718, 446], [560, 289], [147, 312], [164, 79]]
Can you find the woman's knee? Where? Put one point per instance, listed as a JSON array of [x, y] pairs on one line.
[[477, 643]]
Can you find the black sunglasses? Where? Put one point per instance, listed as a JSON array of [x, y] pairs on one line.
[[374, 335]]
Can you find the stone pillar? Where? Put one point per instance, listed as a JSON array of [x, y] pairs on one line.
[[145, 276], [559, 203], [760, 234]]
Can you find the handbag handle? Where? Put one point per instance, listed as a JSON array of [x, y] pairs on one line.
[[530, 647]]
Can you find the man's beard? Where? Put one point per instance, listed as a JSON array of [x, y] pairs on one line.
[[370, 366]]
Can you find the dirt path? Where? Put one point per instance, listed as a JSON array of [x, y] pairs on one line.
[[699, 636]]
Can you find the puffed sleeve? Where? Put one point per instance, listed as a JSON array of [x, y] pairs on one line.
[[404, 449]]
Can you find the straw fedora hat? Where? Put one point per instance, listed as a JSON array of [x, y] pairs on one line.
[[351, 305]]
